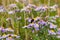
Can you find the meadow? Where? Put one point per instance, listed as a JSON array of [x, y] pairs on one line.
[[29, 19]]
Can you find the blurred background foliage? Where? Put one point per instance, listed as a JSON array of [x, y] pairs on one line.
[[26, 33]]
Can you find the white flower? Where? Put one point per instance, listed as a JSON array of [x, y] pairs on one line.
[[58, 36], [9, 29], [18, 18], [11, 12], [53, 21], [2, 10], [31, 6], [17, 36], [53, 8], [8, 19], [25, 9]]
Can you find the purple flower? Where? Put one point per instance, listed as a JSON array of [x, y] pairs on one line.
[[31, 5], [28, 19], [32, 31], [12, 5], [30, 25], [42, 23], [2, 9], [17, 10], [36, 26], [51, 32], [11, 12], [52, 25], [3, 30], [58, 31], [41, 9]]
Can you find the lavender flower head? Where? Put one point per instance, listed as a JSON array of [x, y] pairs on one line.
[[28, 19], [36, 26], [12, 5], [41, 22], [58, 31], [2, 9], [30, 25], [53, 26], [51, 32], [41, 9], [3, 30]]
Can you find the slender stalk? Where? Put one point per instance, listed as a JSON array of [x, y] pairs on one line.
[[26, 38], [48, 7]]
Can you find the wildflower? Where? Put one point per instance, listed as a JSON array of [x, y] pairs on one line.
[[11, 12], [12, 5], [9, 38], [36, 26], [32, 31], [58, 36], [0, 37], [14, 35], [8, 19], [42, 23], [3, 30], [58, 31], [30, 25], [17, 10], [52, 21], [19, 18], [31, 6], [51, 32], [9, 29], [28, 19], [52, 25], [41, 9], [2, 9], [37, 19], [53, 8], [3, 36], [25, 9]]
